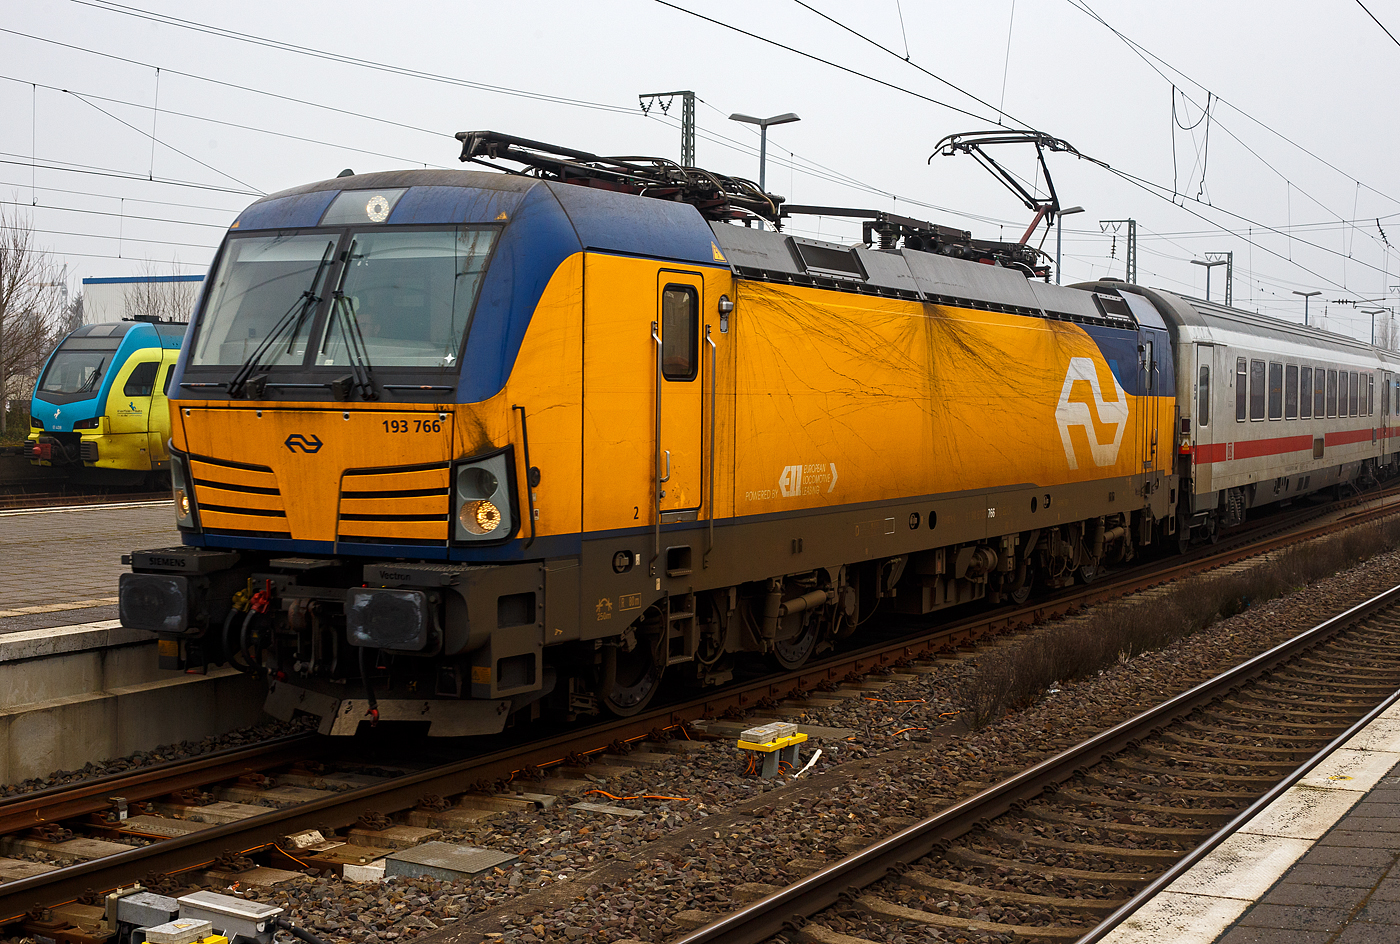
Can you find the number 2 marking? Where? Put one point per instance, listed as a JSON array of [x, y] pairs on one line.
[[636, 512]]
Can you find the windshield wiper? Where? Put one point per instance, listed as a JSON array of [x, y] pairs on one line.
[[355, 345], [96, 375], [295, 315], [343, 308]]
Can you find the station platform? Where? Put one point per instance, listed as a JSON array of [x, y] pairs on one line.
[[1315, 862], [62, 564]]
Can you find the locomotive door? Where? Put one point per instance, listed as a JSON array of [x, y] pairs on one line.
[[1149, 387], [676, 336]]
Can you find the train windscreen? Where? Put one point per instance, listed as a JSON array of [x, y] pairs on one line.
[[78, 366], [265, 284], [391, 298]]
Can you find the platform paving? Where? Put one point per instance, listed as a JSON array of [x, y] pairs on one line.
[[1320, 864], [69, 556]]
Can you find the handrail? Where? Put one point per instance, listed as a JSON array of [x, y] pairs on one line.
[[529, 471], [714, 421], [658, 492]]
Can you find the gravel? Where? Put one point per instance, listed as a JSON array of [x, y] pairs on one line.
[[724, 834]]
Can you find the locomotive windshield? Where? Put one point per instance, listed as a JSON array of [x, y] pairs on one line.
[[79, 366], [404, 297], [261, 281]]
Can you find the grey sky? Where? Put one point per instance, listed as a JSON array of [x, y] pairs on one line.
[[1319, 73]]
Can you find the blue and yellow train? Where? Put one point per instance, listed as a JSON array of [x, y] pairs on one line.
[[453, 447], [100, 407]]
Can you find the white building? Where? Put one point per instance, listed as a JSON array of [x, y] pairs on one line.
[[166, 296]]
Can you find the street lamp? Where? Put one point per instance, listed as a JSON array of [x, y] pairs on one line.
[[1059, 233], [1306, 296], [763, 124], [1209, 265]]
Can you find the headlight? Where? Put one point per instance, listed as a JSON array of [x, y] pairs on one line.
[[186, 511], [480, 517], [483, 493]]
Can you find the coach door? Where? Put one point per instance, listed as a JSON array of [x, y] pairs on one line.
[[1386, 418], [1199, 426], [678, 346]]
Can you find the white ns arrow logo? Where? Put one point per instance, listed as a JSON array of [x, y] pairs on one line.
[[1069, 415]]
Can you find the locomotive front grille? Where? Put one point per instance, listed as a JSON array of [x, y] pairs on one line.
[[409, 505], [235, 498], [88, 451]]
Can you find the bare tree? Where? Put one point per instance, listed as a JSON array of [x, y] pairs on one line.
[[74, 316], [166, 301], [30, 307]]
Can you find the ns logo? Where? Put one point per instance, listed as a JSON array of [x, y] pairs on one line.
[[1104, 413]]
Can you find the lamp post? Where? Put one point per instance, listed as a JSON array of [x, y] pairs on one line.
[[1059, 236], [1306, 296], [1209, 264], [763, 124]]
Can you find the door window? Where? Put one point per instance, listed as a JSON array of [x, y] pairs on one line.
[[1203, 397], [680, 311], [1241, 391]]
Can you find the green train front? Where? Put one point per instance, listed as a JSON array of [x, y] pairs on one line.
[[352, 417]]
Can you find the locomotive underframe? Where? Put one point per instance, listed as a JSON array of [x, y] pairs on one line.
[[480, 643]]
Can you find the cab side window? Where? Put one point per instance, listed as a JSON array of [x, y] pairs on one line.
[[142, 380], [680, 309], [165, 387]]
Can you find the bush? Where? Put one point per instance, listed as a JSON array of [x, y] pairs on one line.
[[1017, 677]]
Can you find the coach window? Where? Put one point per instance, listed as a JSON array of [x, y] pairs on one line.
[[1275, 390], [142, 380], [1331, 393], [1319, 393], [1305, 382], [1203, 397], [1241, 391], [1258, 392], [1355, 403], [1290, 392], [680, 305]]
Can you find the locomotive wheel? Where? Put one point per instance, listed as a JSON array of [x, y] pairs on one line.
[[1019, 596], [791, 653], [630, 679]]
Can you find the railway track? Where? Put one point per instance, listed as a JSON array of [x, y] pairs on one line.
[[416, 795], [1051, 852], [23, 500]]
